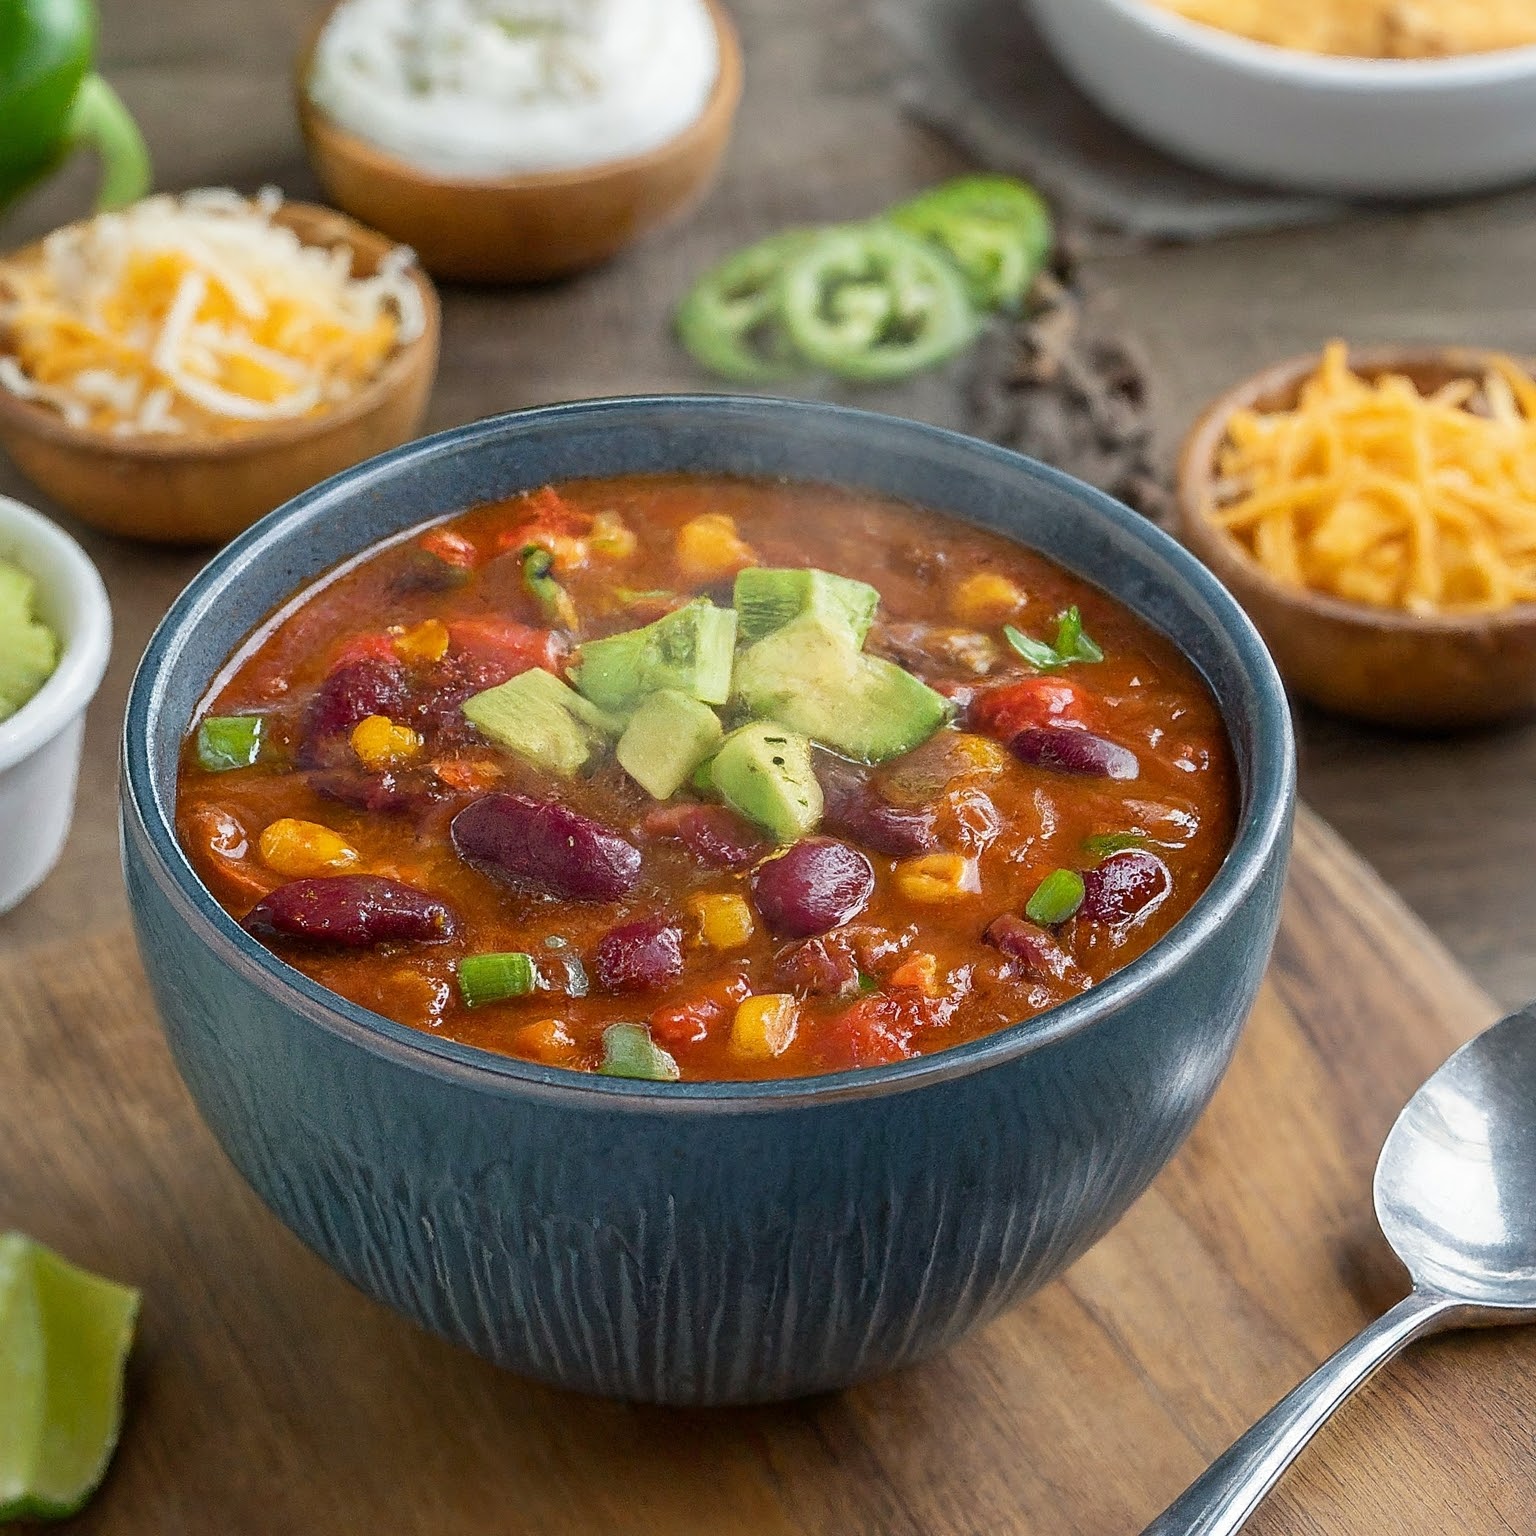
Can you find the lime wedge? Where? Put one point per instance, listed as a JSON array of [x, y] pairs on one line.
[[64, 1339]]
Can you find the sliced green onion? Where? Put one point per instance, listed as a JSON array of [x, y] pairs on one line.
[[1056, 898], [1036, 652], [229, 741], [868, 983], [494, 978], [1106, 843], [629, 1051], [1072, 643], [538, 566]]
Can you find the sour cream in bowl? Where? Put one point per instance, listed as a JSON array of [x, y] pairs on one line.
[[514, 139]]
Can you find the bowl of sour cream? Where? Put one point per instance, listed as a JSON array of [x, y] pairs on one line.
[[515, 140]]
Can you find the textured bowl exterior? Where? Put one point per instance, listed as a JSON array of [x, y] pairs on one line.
[[1353, 127], [711, 1242]]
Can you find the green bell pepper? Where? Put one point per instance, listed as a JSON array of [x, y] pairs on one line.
[[52, 102]]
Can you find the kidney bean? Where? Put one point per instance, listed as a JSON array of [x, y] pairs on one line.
[[540, 845], [639, 956], [353, 691], [812, 886], [711, 833], [1125, 886], [821, 967], [1038, 954], [352, 912], [1072, 751], [378, 792], [857, 809]]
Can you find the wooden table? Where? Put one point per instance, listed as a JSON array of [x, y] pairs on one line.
[[1451, 824]]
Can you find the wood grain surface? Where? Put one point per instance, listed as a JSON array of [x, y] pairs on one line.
[[267, 1398]]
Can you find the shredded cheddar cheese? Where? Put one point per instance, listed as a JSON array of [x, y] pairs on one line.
[[1371, 29], [196, 315], [1372, 492]]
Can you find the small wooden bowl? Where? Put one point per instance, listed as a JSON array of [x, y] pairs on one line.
[[1375, 664], [200, 490], [526, 228]]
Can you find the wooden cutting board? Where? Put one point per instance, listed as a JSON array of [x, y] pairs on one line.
[[266, 1397]]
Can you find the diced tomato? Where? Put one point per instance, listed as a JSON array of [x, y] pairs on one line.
[[1004, 711], [506, 647], [373, 646], [468, 774], [690, 1021], [874, 1031], [449, 547]]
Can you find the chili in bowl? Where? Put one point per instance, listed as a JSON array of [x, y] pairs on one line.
[[643, 895]]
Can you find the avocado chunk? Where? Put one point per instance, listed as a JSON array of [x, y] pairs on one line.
[[764, 772], [29, 650], [808, 677], [690, 650], [767, 600], [667, 738], [536, 716]]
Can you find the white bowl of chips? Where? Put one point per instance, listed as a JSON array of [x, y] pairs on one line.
[[1355, 127]]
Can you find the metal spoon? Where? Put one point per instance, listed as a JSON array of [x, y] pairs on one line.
[[1456, 1197]]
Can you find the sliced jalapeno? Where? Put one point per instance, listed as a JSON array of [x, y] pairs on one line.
[[995, 229], [871, 302], [730, 319]]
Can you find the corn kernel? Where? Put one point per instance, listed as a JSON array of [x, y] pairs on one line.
[[548, 1041], [764, 1026], [426, 642], [985, 599], [725, 919], [921, 972], [937, 877], [709, 546], [380, 743], [299, 848], [979, 755], [611, 537]]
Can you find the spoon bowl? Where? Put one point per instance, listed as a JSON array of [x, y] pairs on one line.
[[1456, 1183]]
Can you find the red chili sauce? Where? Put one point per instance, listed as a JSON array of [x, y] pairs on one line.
[[901, 784]]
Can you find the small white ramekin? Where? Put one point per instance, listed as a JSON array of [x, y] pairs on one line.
[[1355, 127], [40, 743]]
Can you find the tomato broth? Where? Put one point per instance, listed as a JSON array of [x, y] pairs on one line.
[[710, 778]]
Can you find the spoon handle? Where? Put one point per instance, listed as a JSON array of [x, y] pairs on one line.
[[1220, 1501]]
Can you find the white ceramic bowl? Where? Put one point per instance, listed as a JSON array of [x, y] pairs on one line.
[[40, 743], [1357, 127]]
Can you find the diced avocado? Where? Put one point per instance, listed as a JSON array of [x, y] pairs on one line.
[[809, 677], [767, 600], [29, 650], [764, 772], [536, 716], [690, 650], [668, 737]]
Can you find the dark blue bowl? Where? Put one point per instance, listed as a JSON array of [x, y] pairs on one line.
[[701, 1242]]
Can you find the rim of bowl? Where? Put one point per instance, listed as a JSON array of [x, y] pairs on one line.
[[723, 98], [1265, 812], [1297, 66], [1194, 480], [83, 651], [42, 421]]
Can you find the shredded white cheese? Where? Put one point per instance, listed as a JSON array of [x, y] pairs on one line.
[[196, 314]]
